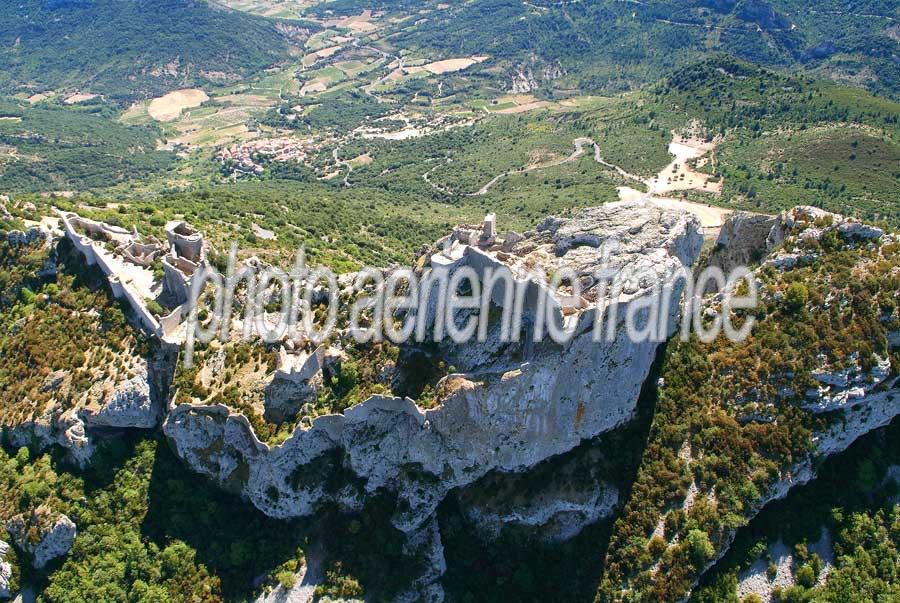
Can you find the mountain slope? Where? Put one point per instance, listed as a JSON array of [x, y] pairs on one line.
[[609, 44], [48, 147], [737, 425], [125, 48]]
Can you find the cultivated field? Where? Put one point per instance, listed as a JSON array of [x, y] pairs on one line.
[[170, 106], [452, 65]]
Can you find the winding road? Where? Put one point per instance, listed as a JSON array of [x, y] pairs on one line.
[[580, 143], [711, 217]]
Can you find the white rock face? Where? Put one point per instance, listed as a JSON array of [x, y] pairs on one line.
[[5, 573], [848, 386], [744, 239], [56, 537], [509, 415], [426, 544], [54, 428], [755, 579], [125, 404], [860, 231], [128, 402]]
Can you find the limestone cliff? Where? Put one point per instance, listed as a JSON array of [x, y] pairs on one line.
[[134, 399], [531, 402], [555, 501], [507, 407]]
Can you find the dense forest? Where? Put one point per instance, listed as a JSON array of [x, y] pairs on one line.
[[49, 147], [609, 45], [130, 48]]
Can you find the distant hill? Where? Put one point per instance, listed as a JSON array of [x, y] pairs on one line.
[[51, 148], [616, 44], [131, 48]]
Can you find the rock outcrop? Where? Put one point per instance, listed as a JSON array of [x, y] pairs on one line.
[[841, 388], [556, 500], [531, 402], [755, 579], [54, 427], [125, 404], [131, 401], [6, 573], [533, 74], [426, 544], [746, 239], [555, 516], [43, 534], [17, 238]]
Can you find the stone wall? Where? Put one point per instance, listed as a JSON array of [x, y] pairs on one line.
[[96, 255], [185, 241]]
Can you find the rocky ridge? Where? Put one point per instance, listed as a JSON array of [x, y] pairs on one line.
[[122, 402], [495, 418]]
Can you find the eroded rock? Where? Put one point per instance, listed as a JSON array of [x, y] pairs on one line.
[[126, 403], [6, 573], [130, 400], [531, 402], [43, 534], [555, 515], [744, 240]]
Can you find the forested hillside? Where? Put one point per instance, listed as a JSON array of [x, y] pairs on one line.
[[130, 48], [789, 140], [140, 139], [609, 45], [48, 147]]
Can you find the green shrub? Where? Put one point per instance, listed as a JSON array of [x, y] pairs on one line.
[[796, 296], [806, 576], [154, 308], [699, 547], [657, 546]]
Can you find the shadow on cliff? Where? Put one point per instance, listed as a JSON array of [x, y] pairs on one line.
[[520, 566], [241, 545], [854, 481], [236, 542]]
